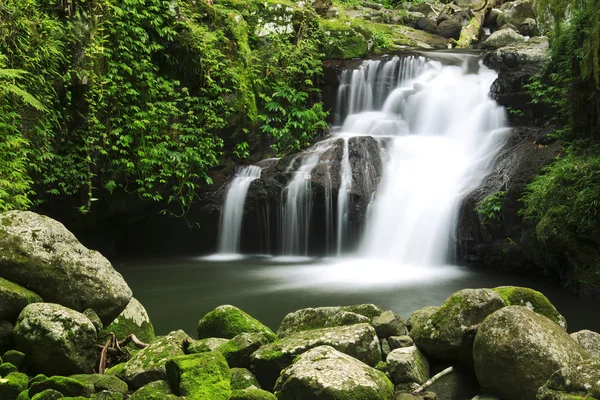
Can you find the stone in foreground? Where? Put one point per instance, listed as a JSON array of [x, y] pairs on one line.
[[229, 321], [133, 320], [576, 381], [589, 341], [516, 350], [325, 373], [317, 318], [14, 298], [532, 299], [407, 365], [57, 340], [389, 324], [203, 376]]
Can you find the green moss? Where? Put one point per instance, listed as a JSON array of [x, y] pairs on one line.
[[48, 394], [13, 298], [344, 40], [14, 357], [237, 351], [12, 385], [159, 390], [64, 385], [252, 394], [115, 370], [241, 378], [381, 366], [228, 322], [133, 320], [536, 301], [367, 310], [200, 376], [102, 382], [7, 368]]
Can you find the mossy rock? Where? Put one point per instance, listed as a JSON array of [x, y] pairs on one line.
[[589, 341], [388, 323], [344, 40], [93, 316], [14, 357], [158, 390], [6, 335], [7, 368], [580, 380], [102, 382], [381, 366], [12, 385], [37, 378], [133, 320], [64, 385], [407, 365], [320, 317], [107, 395], [204, 345], [252, 394], [48, 394], [14, 298], [115, 370], [204, 376], [420, 316], [228, 321], [241, 378], [237, 351], [532, 299]]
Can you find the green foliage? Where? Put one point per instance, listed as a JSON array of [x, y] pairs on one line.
[[490, 208]]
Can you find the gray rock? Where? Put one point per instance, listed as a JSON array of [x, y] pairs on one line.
[[516, 12], [531, 299], [491, 18], [455, 385], [204, 345], [397, 342], [530, 55], [420, 316], [407, 365], [237, 351], [580, 380], [316, 318], [359, 341], [241, 378], [148, 365], [133, 320], [41, 254], [516, 350], [325, 373], [529, 27], [14, 298], [502, 38], [449, 332], [389, 324], [589, 341], [92, 316], [385, 348], [56, 339], [450, 29]]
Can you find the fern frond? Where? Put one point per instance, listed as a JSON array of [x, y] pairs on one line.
[[25, 97]]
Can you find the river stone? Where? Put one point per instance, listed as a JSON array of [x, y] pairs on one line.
[[397, 342], [530, 55], [580, 380], [93, 316], [102, 382], [589, 341], [39, 253], [228, 321], [455, 385], [241, 378], [325, 373], [148, 365], [407, 364], [516, 12], [7, 368], [15, 357], [516, 350], [157, 390], [204, 376], [420, 316], [12, 385], [133, 320], [385, 348], [449, 332], [502, 38], [316, 318], [359, 341], [532, 299], [389, 324], [56, 339], [252, 394], [14, 298], [67, 386], [204, 345], [237, 351], [49, 394]]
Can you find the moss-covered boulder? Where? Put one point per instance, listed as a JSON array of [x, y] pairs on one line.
[[51, 394], [407, 365], [532, 299], [157, 390], [241, 378], [204, 345], [14, 298], [56, 339], [7, 368], [449, 332], [41, 254], [237, 351], [15, 357], [252, 394], [516, 350], [133, 320], [389, 324], [66, 386], [503, 37], [321, 317], [589, 341], [420, 316], [359, 341], [325, 373], [102, 382], [229, 321], [580, 380], [397, 342], [345, 40], [204, 376], [12, 385], [148, 365]]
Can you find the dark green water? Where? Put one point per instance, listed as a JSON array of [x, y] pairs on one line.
[[177, 292]]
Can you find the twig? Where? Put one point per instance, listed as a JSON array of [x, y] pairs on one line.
[[433, 379], [102, 366], [133, 339]]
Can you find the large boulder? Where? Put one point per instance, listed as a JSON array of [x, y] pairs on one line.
[[148, 365], [14, 298], [325, 373], [502, 38], [449, 332], [12, 385], [516, 13], [389, 324], [241, 378], [252, 394], [580, 380], [67, 386], [56, 339], [237, 351], [323, 317], [420, 316], [531, 55], [157, 390], [407, 365], [204, 345], [516, 350], [532, 299], [359, 341], [589, 341], [133, 320], [40, 254], [229, 321], [203, 376]]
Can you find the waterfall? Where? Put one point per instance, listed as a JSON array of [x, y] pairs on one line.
[[230, 225]]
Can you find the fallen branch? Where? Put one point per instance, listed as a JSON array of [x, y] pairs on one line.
[[133, 339], [113, 349], [102, 365], [470, 33], [433, 379]]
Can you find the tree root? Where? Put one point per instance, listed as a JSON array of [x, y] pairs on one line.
[[111, 352]]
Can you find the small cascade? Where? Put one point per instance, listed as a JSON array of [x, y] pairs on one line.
[[343, 197], [230, 225]]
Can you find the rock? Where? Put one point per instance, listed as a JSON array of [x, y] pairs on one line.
[[516, 12], [148, 365], [450, 29], [407, 365], [106, 395], [132, 320], [502, 38], [358, 341], [57, 340], [241, 378], [12, 384], [367, 310], [204, 345], [426, 24], [237, 351], [531, 55], [420, 316], [67, 386], [529, 27], [229, 321], [92, 316], [7, 368], [203, 376], [448, 334], [14, 298], [6, 335], [389, 324], [316, 318], [516, 350], [533, 300], [48, 394], [325, 373], [397, 342], [42, 255], [588, 340], [491, 18], [385, 348], [14, 357], [455, 385], [407, 396], [252, 394], [580, 380], [157, 390], [485, 397], [102, 382]]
